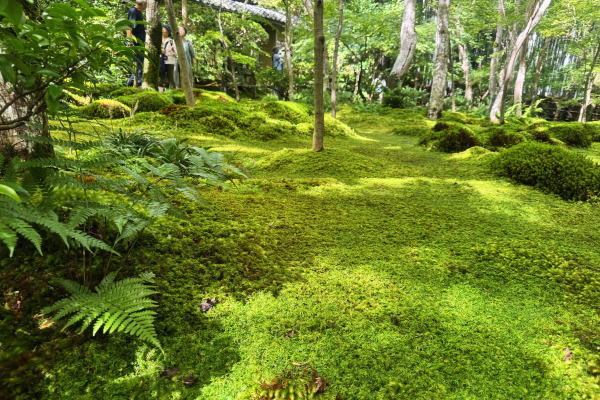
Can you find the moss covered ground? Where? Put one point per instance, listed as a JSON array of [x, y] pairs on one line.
[[376, 266]]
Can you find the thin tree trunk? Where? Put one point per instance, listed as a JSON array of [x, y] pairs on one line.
[[184, 67], [336, 52], [185, 19], [465, 64], [497, 110], [589, 87], [288, 50], [319, 44], [440, 72], [408, 41], [150, 77], [520, 82], [495, 61]]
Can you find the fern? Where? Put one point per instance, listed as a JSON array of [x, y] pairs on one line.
[[115, 306]]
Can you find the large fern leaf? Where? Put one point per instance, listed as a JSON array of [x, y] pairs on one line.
[[115, 306]]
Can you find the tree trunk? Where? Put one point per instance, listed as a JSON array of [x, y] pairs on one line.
[[150, 77], [336, 52], [493, 83], [520, 82], [497, 110], [288, 50], [440, 72], [589, 87], [319, 38], [185, 19], [465, 65], [408, 41], [184, 67]]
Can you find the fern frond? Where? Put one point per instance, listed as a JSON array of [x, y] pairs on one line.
[[115, 306]]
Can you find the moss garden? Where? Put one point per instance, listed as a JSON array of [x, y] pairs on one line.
[[410, 259]]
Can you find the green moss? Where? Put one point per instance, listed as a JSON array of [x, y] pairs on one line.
[[287, 111], [552, 169], [124, 91], [573, 134], [203, 95], [314, 164], [147, 100], [104, 109], [497, 137], [450, 137], [177, 96]]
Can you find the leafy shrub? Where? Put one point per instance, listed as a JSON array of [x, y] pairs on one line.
[[287, 111], [122, 306], [147, 100], [500, 137], [404, 97], [550, 168], [573, 134], [450, 138], [105, 109]]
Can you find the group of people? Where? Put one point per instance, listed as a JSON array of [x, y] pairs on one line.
[[170, 74]]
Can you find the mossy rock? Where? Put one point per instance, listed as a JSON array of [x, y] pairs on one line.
[[147, 100], [105, 109], [329, 162], [293, 112]]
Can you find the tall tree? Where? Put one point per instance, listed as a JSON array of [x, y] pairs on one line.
[[287, 43], [465, 65], [520, 82], [184, 67], [496, 53], [336, 52], [150, 76], [539, 7], [319, 49], [589, 86], [408, 41], [185, 18], [442, 54]]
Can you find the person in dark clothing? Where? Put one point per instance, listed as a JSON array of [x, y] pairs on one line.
[[137, 35]]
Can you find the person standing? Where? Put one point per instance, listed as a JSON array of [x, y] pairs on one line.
[[168, 60], [137, 37], [190, 54]]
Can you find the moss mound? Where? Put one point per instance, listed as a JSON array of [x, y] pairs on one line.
[[500, 137], [333, 128], [473, 152], [295, 113], [550, 168], [203, 94], [177, 96], [105, 109], [316, 164], [124, 91], [450, 137], [573, 134], [147, 100]]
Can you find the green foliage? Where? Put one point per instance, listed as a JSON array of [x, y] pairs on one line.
[[147, 100], [450, 138], [573, 134], [552, 169], [405, 97], [105, 109], [116, 306]]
